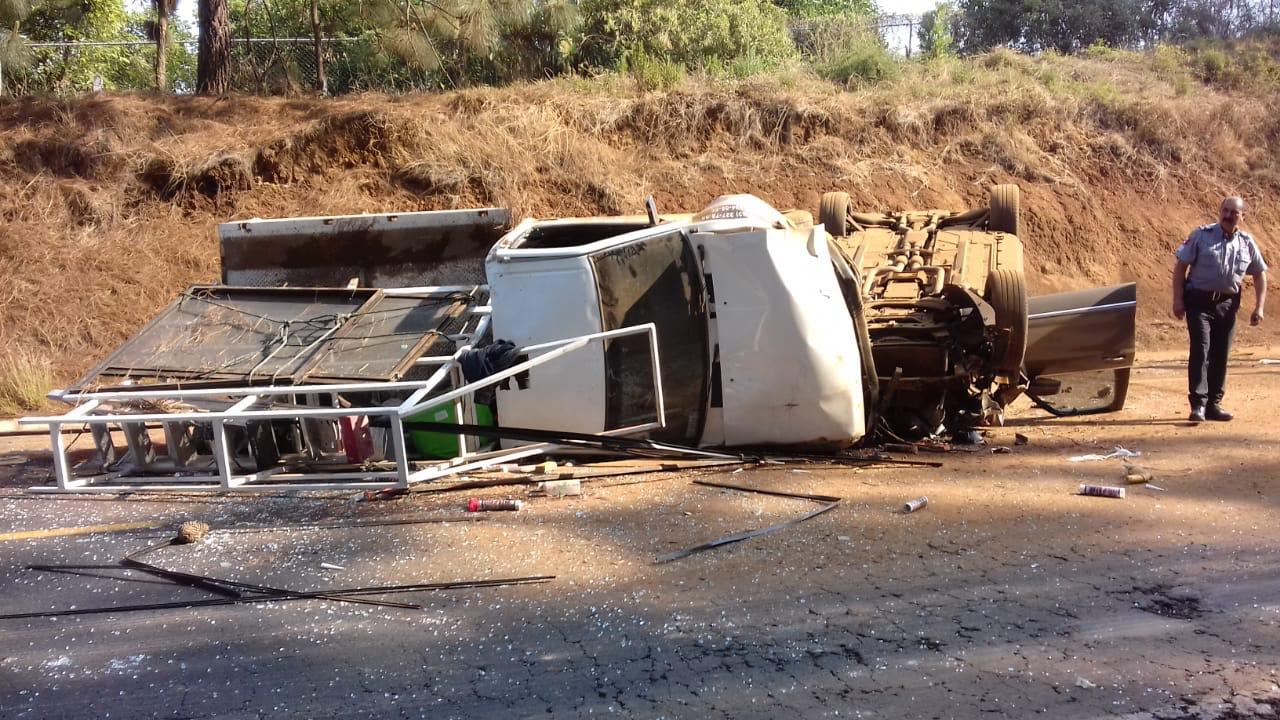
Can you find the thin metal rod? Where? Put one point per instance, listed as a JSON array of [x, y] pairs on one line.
[[747, 535], [384, 590], [439, 375], [555, 349], [762, 491]]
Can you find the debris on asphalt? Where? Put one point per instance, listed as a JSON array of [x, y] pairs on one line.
[[1119, 452], [493, 504], [1001, 450], [911, 506], [233, 592], [1269, 361], [1106, 491], [561, 488], [1136, 474], [828, 502], [907, 448], [191, 531], [346, 594], [1020, 439]]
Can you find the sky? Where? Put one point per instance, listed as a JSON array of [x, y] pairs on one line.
[[912, 7]]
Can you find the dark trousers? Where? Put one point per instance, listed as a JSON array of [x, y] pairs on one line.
[[1211, 324]]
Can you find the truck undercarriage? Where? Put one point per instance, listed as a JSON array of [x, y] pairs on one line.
[[945, 307]]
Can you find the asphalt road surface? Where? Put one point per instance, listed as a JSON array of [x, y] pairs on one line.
[[1009, 595]]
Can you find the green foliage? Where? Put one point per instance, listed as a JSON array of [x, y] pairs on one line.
[[1063, 25], [70, 20], [25, 378], [13, 11], [66, 70], [1070, 26], [1100, 50], [849, 51], [936, 35], [13, 55], [1248, 66], [651, 74], [543, 44], [865, 63], [1170, 60], [694, 35], [406, 44], [807, 9]]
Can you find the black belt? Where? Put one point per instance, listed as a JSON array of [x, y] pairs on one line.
[[1215, 296]]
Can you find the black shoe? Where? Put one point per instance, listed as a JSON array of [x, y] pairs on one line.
[[1197, 415], [1216, 413]]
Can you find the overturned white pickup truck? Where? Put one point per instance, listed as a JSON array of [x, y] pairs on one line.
[[756, 342], [332, 339]]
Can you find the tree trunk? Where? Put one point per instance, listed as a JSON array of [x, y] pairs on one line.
[[322, 83], [213, 64], [162, 45]]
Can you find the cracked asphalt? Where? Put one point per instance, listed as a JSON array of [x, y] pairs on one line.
[[1007, 596]]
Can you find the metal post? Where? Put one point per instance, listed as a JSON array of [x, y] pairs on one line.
[[221, 454], [61, 466], [400, 451]]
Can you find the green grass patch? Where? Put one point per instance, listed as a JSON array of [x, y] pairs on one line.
[[25, 379]]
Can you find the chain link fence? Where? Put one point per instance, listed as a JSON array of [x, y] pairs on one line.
[[259, 65], [281, 66]]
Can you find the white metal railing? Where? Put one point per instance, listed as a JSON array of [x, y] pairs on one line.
[[241, 401]]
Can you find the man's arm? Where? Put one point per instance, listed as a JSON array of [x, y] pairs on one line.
[[1179, 277], [1259, 297]]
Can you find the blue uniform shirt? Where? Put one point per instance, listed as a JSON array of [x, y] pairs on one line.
[[1218, 264]]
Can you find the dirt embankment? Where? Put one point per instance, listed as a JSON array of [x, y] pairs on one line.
[[108, 204]]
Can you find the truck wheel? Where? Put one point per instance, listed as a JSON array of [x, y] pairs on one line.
[[833, 213], [1007, 295], [1005, 207]]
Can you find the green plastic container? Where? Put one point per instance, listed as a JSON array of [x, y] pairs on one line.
[[424, 444]]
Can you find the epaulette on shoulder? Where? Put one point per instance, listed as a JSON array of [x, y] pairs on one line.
[[1206, 228]]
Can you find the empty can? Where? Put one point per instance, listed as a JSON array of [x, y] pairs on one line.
[[487, 504], [911, 506], [1102, 491]]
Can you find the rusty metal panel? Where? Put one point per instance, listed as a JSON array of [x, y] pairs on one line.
[[217, 335], [391, 250], [385, 338]]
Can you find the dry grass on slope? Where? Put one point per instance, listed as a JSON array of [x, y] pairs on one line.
[[109, 204]]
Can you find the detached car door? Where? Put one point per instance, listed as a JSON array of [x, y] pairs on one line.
[[1080, 347]]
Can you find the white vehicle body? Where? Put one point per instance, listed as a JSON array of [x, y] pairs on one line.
[[756, 343]]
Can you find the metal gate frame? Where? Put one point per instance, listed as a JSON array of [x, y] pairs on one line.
[[238, 405]]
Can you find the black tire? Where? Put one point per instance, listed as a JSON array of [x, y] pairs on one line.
[[1007, 295], [1005, 210], [833, 213]]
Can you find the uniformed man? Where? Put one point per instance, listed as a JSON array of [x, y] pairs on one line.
[[1206, 290]]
